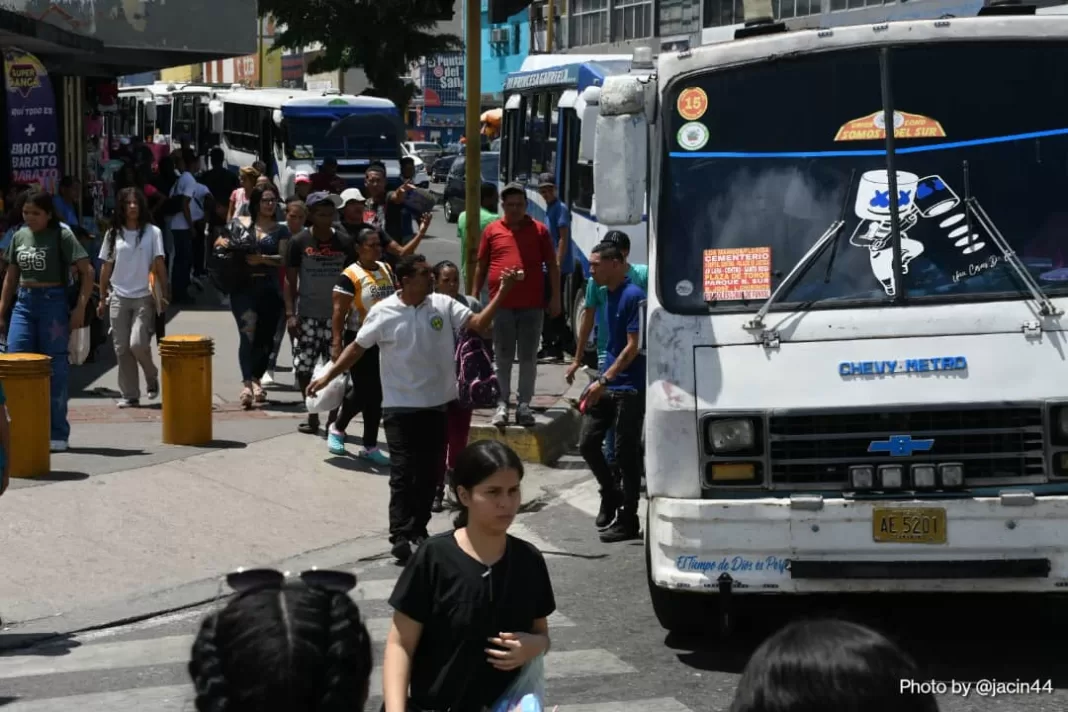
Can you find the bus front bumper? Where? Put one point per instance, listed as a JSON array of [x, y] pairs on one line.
[[1017, 542]]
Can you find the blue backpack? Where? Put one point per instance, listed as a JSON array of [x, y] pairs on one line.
[[475, 377]]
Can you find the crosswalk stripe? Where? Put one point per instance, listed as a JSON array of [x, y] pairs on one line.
[[173, 697], [379, 627], [175, 649], [660, 704]]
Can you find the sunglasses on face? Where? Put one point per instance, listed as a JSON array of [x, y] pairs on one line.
[[244, 580]]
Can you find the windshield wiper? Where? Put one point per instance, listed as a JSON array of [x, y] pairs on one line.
[[1046, 307], [828, 238]]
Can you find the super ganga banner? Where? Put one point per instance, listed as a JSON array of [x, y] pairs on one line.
[[32, 130]]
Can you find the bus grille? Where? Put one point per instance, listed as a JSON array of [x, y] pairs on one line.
[[995, 443]]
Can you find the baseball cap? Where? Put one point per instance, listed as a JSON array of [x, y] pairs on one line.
[[546, 180], [513, 188], [323, 197], [351, 194], [302, 178]]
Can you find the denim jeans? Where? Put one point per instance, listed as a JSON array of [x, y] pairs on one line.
[[183, 262], [256, 310], [40, 324]]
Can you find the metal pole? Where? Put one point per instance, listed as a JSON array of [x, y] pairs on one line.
[[473, 174], [550, 20]]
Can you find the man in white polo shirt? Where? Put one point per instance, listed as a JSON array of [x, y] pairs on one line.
[[415, 330]]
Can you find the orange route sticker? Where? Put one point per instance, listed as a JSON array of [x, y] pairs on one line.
[[744, 273], [873, 127], [693, 103]]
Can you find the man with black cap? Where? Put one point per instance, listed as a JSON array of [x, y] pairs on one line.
[[518, 242], [317, 255]]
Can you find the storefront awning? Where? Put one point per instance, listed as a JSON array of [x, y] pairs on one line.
[[42, 38]]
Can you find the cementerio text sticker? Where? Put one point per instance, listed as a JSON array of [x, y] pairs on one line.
[[693, 136], [742, 273], [693, 103], [873, 127]]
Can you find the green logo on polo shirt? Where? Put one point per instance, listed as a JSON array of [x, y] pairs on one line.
[[436, 323]]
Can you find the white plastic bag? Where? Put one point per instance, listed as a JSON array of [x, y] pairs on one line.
[[527, 692], [329, 397], [78, 347]]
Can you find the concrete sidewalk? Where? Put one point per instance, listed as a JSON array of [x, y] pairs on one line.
[[85, 552]]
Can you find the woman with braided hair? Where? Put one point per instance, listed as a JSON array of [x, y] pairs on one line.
[[284, 647]]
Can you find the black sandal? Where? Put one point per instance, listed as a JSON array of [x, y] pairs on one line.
[[310, 426]]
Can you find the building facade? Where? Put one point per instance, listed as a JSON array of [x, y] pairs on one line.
[[504, 47]]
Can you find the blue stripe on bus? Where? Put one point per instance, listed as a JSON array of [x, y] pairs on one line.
[[901, 151]]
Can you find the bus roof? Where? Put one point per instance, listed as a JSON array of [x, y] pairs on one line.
[[756, 49], [571, 71], [156, 89], [298, 102]]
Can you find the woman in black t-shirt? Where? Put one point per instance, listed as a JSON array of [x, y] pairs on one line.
[[472, 606]]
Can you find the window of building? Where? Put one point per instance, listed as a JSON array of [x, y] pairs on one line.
[[723, 12], [588, 22], [837, 5], [632, 20], [719, 13], [679, 17]]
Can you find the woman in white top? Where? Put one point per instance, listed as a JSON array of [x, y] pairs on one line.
[[133, 258]]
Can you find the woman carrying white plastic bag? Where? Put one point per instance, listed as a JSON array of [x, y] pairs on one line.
[[472, 605]]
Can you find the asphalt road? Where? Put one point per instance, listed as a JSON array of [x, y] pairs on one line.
[[609, 654]]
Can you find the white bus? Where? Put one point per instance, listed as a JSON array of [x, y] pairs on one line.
[[855, 342], [144, 112], [548, 127], [292, 131]]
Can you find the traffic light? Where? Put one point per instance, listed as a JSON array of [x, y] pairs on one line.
[[501, 10]]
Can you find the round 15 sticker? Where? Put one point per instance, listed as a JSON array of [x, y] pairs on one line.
[[693, 103]]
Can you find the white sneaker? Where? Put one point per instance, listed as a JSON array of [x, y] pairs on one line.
[[58, 445], [500, 418], [268, 379]]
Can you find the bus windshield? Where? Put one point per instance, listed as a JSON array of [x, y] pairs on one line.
[[784, 147], [307, 138]]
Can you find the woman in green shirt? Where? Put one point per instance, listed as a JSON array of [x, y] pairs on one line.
[[39, 261]]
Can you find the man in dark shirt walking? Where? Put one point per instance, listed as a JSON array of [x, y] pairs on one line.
[[617, 398], [317, 256]]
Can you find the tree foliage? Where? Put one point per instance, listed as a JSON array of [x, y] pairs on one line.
[[381, 37]]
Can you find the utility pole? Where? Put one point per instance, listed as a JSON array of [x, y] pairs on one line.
[[473, 173], [550, 26]]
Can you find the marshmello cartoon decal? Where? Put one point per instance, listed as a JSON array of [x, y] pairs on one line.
[[928, 199]]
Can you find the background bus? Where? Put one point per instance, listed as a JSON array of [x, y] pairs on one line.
[[144, 112], [542, 132], [292, 131]]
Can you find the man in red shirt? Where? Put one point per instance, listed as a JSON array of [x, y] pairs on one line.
[[517, 241]]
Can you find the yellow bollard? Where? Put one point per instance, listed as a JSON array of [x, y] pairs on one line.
[[27, 380], [187, 395]]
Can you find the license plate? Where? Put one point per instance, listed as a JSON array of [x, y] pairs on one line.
[[909, 526]]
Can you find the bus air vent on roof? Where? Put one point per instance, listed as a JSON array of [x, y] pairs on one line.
[[1006, 7], [758, 27]]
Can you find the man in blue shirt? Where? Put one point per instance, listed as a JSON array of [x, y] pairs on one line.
[[556, 335], [616, 400]]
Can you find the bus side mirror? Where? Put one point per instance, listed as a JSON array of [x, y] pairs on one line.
[[277, 117], [621, 150], [215, 110], [150, 110], [588, 108]]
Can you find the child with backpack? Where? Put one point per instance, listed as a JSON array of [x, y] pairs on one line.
[[475, 377]]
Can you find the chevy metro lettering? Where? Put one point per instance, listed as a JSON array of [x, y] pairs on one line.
[[912, 365], [734, 563]]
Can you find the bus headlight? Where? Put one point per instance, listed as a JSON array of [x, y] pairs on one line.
[[731, 435], [951, 474], [862, 477], [923, 476], [1061, 423], [891, 477]]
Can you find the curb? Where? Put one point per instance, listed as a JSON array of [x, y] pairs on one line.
[[555, 433]]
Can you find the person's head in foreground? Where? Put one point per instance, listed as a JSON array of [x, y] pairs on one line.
[[485, 484], [284, 647], [829, 666]]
